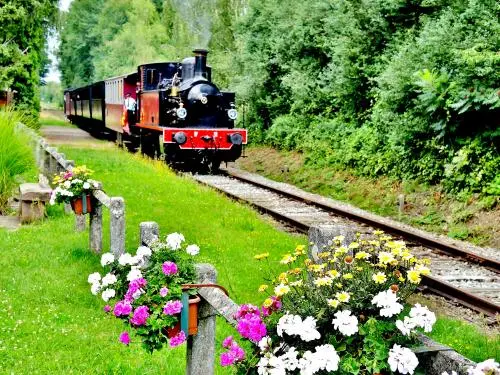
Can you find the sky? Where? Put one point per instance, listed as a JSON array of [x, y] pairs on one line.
[[53, 42]]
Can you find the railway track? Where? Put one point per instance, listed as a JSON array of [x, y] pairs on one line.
[[465, 274]]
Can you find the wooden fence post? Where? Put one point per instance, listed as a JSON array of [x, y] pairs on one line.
[[95, 227], [200, 354], [117, 226], [149, 232]]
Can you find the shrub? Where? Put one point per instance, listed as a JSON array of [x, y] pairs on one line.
[[15, 154]]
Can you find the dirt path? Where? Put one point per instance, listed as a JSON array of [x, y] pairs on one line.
[[64, 135]]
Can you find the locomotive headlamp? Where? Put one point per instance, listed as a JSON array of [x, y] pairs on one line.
[[180, 138], [203, 99], [236, 139], [232, 114], [181, 112]]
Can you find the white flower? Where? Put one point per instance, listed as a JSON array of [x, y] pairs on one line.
[[265, 344], [109, 279], [406, 326], [293, 325], [346, 323], [108, 294], [325, 358], [86, 185], [143, 251], [290, 360], [126, 259], [423, 317], [271, 365], [387, 301], [134, 274], [107, 258], [193, 250], [488, 367], [95, 288], [94, 278], [96, 184], [402, 360], [67, 184], [452, 373], [174, 241]]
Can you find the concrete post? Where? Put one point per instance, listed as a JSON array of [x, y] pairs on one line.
[[52, 162], [200, 354], [149, 232], [80, 223], [39, 152], [59, 167], [46, 163], [95, 227], [117, 226], [321, 237]]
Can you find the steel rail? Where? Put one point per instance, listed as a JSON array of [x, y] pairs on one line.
[[429, 283]]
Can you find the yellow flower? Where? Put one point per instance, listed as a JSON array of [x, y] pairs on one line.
[[283, 277], [295, 271], [378, 232], [338, 285], [414, 276], [362, 255], [307, 261], [288, 258], [261, 256], [348, 276], [323, 281], [406, 255], [385, 238], [353, 245], [374, 243], [333, 273], [359, 269], [296, 283], [341, 250], [317, 267], [385, 257], [281, 289], [339, 239], [333, 303], [379, 278], [401, 279], [343, 297], [300, 250], [324, 254], [422, 269], [263, 288], [268, 302]]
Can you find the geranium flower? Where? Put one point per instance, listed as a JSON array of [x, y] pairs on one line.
[[124, 338], [169, 268], [422, 317], [163, 292], [108, 294], [177, 339], [94, 278], [233, 355], [406, 326], [107, 258], [141, 314], [174, 241], [193, 250], [346, 323], [172, 307], [109, 279], [143, 251], [387, 301], [134, 274], [402, 360], [122, 308], [293, 325]]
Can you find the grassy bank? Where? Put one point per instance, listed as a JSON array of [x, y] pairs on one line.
[[49, 321], [427, 207]]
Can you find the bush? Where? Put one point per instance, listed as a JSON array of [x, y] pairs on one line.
[[15, 154]]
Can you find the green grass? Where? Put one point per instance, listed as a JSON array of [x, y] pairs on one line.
[[49, 321]]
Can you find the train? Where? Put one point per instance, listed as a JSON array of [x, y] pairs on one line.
[[177, 113]]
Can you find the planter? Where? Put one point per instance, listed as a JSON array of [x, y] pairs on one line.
[[192, 319], [82, 205]]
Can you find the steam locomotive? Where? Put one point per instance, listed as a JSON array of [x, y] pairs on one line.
[[177, 107]]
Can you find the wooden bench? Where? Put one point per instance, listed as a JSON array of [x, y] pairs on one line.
[[33, 198]]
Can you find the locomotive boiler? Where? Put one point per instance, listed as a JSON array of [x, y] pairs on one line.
[[180, 113]]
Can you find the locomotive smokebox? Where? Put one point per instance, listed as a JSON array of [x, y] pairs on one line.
[[200, 62]]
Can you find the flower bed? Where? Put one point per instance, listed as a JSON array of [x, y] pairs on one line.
[[146, 290], [344, 314]]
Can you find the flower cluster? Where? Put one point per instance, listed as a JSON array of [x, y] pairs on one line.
[[343, 310], [145, 289], [488, 367], [234, 353], [69, 185]]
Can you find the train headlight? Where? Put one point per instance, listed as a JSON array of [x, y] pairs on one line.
[[180, 138], [236, 139], [181, 112], [232, 114]]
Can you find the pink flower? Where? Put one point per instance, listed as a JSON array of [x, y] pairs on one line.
[[68, 175], [169, 268], [107, 308], [245, 310], [122, 308], [124, 338], [252, 328], [235, 354], [172, 307], [177, 339], [163, 291], [134, 289], [141, 314], [227, 342]]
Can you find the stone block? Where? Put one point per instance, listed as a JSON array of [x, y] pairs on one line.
[[321, 237], [33, 198]]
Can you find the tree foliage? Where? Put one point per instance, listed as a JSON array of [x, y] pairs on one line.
[[24, 25]]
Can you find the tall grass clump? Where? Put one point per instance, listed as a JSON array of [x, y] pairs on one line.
[[15, 154]]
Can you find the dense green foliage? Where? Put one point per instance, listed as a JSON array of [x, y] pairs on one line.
[[407, 88], [404, 88], [15, 154], [24, 25], [51, 95]]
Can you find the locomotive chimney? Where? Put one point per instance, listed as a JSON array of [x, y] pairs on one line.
[[200, 62]]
